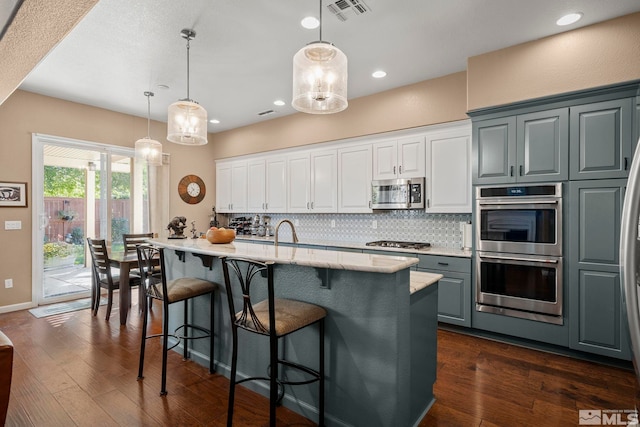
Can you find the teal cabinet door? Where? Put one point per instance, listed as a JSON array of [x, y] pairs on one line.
[[454, 289], [597, 322], [494, 151], [543, 146], [600, 140], [531, 147], [454, 299]]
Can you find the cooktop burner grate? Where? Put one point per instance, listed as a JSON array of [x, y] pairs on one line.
[[400, 245]]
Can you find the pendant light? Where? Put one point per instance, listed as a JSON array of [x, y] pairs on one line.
[[187, 121], [319, 78], [149, 150]]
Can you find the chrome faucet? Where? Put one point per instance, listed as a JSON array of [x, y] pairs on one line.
[[293, 231]]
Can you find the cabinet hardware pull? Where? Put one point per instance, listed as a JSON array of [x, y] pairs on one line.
[[626, 163], [510, 170], [508, 258], [520, 202], [311, 205], [394, 170], [443, 263], [266, 206], [520, 170], [307, 205], [428, 203], [369, 204], [400, 169]]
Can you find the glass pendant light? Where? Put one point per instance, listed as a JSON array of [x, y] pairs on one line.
[[320, 78], [149, 150], [187, 121]]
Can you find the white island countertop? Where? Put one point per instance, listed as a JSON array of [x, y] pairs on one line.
[[460, 253], [310, 257]]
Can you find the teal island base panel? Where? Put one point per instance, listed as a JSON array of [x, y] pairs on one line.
[[380, 341]]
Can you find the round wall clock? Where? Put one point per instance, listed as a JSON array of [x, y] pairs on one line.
[[191, 189]]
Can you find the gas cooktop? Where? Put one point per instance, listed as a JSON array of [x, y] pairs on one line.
[[401, 245]]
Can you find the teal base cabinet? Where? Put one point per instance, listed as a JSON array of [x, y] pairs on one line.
[[597, 322], [454, 289]]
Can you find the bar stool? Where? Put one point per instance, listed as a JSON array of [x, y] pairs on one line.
[[156, 286], [275, 318]]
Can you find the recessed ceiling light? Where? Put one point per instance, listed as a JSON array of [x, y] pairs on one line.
[[378, 74], [278, 102], [214, 121], [569, 19], [310, 22]]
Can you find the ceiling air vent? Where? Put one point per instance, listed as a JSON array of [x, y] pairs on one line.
[[264, 113], [344, 9]]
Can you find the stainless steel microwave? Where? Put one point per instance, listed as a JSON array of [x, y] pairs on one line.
[[398, 194]]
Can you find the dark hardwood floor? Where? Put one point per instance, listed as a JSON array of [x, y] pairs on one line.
[[74, 369]]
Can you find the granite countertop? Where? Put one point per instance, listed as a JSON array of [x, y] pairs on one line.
[[311, 257], [362, 245], [419, 280]]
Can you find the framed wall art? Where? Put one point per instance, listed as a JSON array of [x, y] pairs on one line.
[[13, 194]]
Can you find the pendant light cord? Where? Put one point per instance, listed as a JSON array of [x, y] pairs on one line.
[[188, 40], [320, 20], [149, 94]]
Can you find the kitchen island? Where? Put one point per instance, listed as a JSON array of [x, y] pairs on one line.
[[380, 338]]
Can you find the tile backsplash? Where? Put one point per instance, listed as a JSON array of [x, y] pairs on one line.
[[441, 230]]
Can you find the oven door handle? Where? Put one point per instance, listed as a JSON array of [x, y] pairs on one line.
[[519, 202], [508, 258]]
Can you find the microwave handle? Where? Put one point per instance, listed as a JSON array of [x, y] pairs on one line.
[[519, 202], [508, 258]]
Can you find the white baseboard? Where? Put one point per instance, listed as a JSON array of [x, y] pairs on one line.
[[17, 307]]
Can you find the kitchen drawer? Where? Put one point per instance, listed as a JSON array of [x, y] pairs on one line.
[[444, 263]]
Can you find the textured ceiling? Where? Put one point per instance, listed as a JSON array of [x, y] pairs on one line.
[[241, 58]]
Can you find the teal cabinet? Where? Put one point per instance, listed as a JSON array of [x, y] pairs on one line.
[[532, 147], [601, 139], [494, 150], [454, 289], [597, 323]]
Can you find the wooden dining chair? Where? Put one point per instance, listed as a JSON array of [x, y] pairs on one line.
[[104, 277], [131, 241]]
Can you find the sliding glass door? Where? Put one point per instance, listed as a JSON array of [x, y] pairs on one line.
[[80, 189]]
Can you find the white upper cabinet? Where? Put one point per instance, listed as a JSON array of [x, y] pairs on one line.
[[400, 158], [448, 161], [312, 182], [231, 186], [266, 185], [276, 184], [354, 179], [256, 186]]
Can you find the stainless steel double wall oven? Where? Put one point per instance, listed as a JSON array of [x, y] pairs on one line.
[[519, 267]]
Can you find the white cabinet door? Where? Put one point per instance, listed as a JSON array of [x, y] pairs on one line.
[[256, 188], [411, 161], [448, 158], [385, 159], [298, 166], [403, 158], [239, 186], [324, 181], [223, 187], [354, 179], [276, 184]]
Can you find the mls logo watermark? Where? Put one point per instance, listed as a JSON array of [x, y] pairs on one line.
[[608, 417]]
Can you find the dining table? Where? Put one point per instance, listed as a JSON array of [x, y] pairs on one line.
[[125, 262]]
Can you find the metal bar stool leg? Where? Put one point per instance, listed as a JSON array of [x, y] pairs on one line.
[[185, 342], [273, 380], [321, 372], [211, 337], [232, 376], [143, 343], [165, 346]]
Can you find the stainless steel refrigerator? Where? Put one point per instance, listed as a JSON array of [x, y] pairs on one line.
[[630, 264]]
